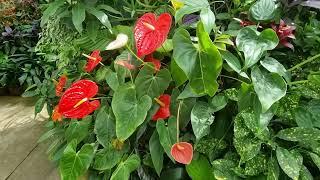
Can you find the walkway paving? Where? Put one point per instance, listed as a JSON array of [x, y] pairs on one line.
[[21, 158]]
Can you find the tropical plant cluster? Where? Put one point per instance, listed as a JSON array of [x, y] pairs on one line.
[[181, 89]]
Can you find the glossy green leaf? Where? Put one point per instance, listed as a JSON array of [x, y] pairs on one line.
[[315, 158], [105, 127], [78, 16], [208, 19], [273, 169], [303, 117], [73, 164], [103, 18], [299, 134], [78, 130], [272, 65], [156, 152], [305, 174], [208, 65], [218, 102], [223, 169], [130, 112], [289, 162], [153, 85], [270, 88], [107, 158], [125, 168], [189, 7], [201, 119], [177, 74], [253, 44], [233, 62], [199, 169], [245, 142], [263, 10], [256, 165], [167, 135], [188, 93]]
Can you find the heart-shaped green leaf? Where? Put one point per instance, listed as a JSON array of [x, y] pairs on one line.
[[270, 87], [125, 168], [253, 44], [200, 168], [105, 127], [78, 130], [130, 112], [167, 135], [156, 152], [153, 85], [73, 164], [78, 16], [263, 10], [107, 158]]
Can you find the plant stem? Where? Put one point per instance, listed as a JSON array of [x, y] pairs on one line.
[[304, 62], [298, 82], [232, 78], [134, 54], [178, 119]]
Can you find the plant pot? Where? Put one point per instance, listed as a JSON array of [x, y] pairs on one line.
[[4, 91], [15, 91]]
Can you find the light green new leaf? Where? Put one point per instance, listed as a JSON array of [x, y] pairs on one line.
[[125, 168], [208, 65], [73, 164], [153, 85], [270, 88], [299, 134], [290, 162], [103, 18], [253, 44], [130, 112], [272, 65], [177, 73], [167, 135], [223, 169], [156, 152], [107, 158], [208, 19], [105, 127], [78, 16], [200, 169], [263, 10], [201, 119], [233, 62], [245, 142], [78, 130]]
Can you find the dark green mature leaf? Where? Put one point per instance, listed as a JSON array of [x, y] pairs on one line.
[[305, 174], [289, 162], [200, 169], [256, 165], [233, 62], [130, 112], [73, 164], [103, 18], [272, 65], [188, 93], [253, 44], [270, 88], [178, 173], [245, 142], [273, 169], [105, 127], [107, 158], [315, 158], [78, 130], [201, 119], [222, 169], [153, 85], [211, 147], [299, 134], [156, 152], [78, 16], [39, 105], [303, 118], [208, 65], [263, 10], [125, 168], [167, 135]]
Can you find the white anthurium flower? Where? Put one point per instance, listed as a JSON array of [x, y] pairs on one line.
[[120, 41]]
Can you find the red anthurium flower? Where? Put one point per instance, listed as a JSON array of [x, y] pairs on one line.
[[75, 102], [56, 116], [93, 60], [150, 32], [60, 85], [155, 62], [284, 33], [164, 110], [182, 152]]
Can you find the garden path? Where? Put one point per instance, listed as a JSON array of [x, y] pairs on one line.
[[21, 157]]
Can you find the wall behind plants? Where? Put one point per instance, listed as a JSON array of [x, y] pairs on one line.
[[181, 89]]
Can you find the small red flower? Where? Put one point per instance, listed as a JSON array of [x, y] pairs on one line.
[[155, 62], [75, 102], [93, 60], [150, 32], [284, 33], [60, 85], [182, 152], [164, 110], [56, 116]]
